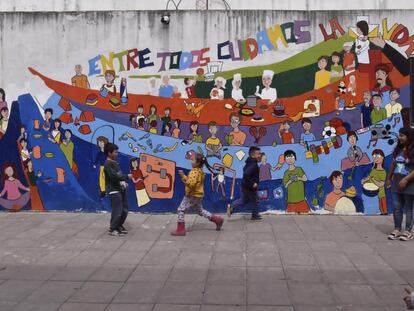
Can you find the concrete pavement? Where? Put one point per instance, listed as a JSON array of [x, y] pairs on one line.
[[65, 262]]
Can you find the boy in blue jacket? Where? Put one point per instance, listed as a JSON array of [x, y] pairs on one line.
[[249, 184]]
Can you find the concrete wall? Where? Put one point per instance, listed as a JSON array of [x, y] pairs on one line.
[[54, 42], [111, 5]]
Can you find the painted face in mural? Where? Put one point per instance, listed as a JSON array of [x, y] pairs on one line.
[[140, 110], [290, 159], [9, 171], [264, 158], [394, 95], [335, 59], [101, 144], [167, 112], [352, 140], [338, 182], [23, 143], [213, 130], [194, 128], [48, 115], [78, 70], [57, 125], [367, 96], [109, 78], [286, 126], [153, 110], [235, 121], [377, 101], [237, 84], [5, 113], [68, 135], [165, 80], [152, 82], [267, 81], [378, 159], [381, 77], [322, 63], [29, 165], [134, 164], [307, 126]]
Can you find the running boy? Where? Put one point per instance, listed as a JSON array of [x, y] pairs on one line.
[[194, 193], [116, 185], [249, 184]]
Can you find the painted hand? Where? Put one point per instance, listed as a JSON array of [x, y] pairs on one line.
[[378, 41]]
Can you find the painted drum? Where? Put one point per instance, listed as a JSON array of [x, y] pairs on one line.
[[345, 206], [370, 189]]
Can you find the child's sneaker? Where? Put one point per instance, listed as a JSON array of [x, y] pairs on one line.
[[116, 233], [394, 235], [406, 236]]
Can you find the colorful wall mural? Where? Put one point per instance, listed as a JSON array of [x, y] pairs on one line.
[[326, 118]]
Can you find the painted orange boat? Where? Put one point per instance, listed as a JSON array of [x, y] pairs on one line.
[[207, 110]]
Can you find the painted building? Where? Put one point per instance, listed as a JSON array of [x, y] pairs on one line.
[[323, 93]]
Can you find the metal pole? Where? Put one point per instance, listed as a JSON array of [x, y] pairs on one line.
[[411, 91]]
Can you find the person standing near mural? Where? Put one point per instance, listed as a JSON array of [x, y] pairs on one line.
[[285, 134], [377, 114], [217, 92], [393, 107], [79, 79], [138, 180], [249, 185], [366, 109], [236, 137], [400, 180], [294, 180], [337, 72], [349, 58], [190, 87], [337, 181], [362, 46], [99, 161], [378, 176], [110, 79], [4, 120], [11, 189], [3, 102], [268, 93], [306, 137], [116, 186], [194, 193], [322, 77], [237, 92], [166, 89]]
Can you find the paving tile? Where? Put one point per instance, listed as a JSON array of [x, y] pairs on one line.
[[356, 295], [264, 274], [182, 293], [315, 294], [269, 308], [303, 274], [138, 292], [165, 307], [275, 293], [227, 276], [96, 292], [38, 306], [16, 290], [150, 274], [54, 291], [112, 273], [74, 273], [69, 306], [230, 259], [189, 274], [222, 308], [297, 258], [130, 307], [224, 294]]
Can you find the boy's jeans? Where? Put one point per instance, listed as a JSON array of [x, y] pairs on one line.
[[248, 197], [402, 201], [119, 206]]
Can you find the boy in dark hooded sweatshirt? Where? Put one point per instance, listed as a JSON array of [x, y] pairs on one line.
[[249, 184]]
